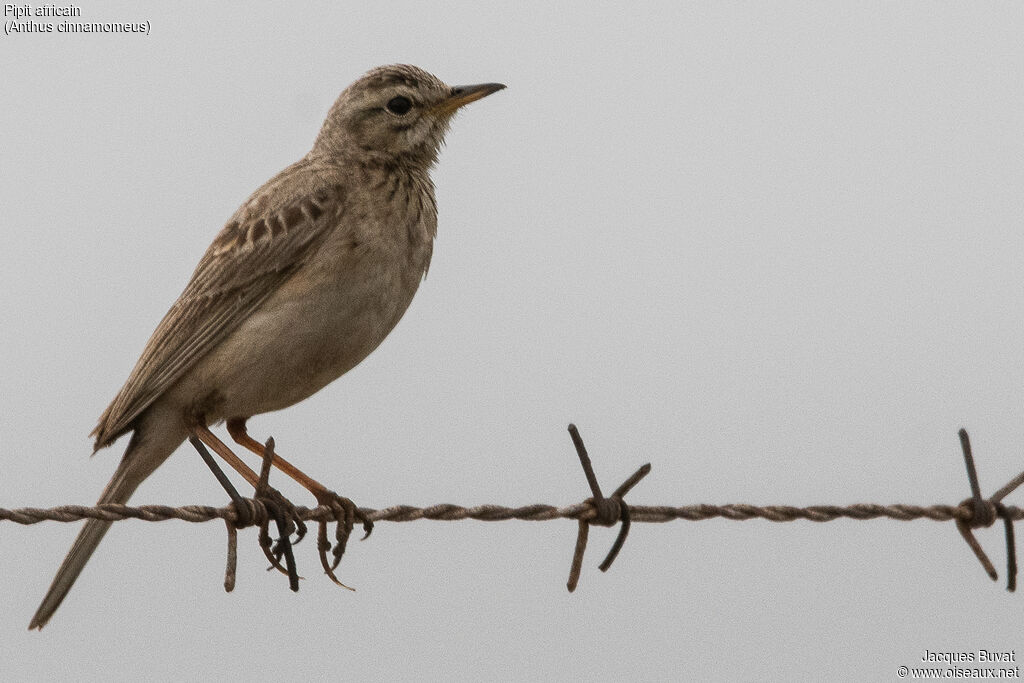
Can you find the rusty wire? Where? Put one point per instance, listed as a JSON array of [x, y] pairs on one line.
[[972, 513]]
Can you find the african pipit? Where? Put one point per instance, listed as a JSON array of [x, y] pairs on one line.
[[305, 280]]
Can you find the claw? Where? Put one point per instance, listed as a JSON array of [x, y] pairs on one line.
[[345, 514], [323, 545]]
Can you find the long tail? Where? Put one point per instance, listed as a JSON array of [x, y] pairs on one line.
[[142, 456]]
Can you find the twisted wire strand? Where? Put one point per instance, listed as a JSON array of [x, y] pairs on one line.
[[498, 513]]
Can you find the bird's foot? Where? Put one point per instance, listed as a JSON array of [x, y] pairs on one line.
[[283, 513], [345, 514]]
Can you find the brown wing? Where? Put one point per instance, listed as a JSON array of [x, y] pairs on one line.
[[254, 253]]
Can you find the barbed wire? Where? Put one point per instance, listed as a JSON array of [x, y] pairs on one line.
[[972, 513], [449, 512]]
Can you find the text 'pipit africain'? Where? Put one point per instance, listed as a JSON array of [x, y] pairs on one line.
[[305, 280]]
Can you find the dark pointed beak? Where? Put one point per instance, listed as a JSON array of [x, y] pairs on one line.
[[464, 94]]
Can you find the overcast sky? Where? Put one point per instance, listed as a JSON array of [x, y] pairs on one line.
[[772, 248]]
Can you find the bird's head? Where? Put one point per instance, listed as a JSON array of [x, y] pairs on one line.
[[396, 112]]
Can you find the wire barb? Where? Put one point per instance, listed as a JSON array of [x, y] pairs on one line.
[[983, 513], [232, 564], [606, 511]]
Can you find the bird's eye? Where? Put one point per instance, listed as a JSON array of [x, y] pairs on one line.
[[399, 105]]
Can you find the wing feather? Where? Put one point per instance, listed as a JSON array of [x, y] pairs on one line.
[[259, 248]]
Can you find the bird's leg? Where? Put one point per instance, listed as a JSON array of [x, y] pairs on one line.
[[203, 433], [280, 507], [238, 432], [345, 511], [243, 516]]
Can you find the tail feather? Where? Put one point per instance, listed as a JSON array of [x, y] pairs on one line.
[[140, 459]]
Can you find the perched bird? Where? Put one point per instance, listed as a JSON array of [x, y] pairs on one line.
[[305, 280]]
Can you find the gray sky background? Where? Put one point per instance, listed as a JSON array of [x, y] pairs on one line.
[[772, 248]]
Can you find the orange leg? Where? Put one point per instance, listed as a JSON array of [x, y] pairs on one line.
[[221, 449], [236, 428]]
